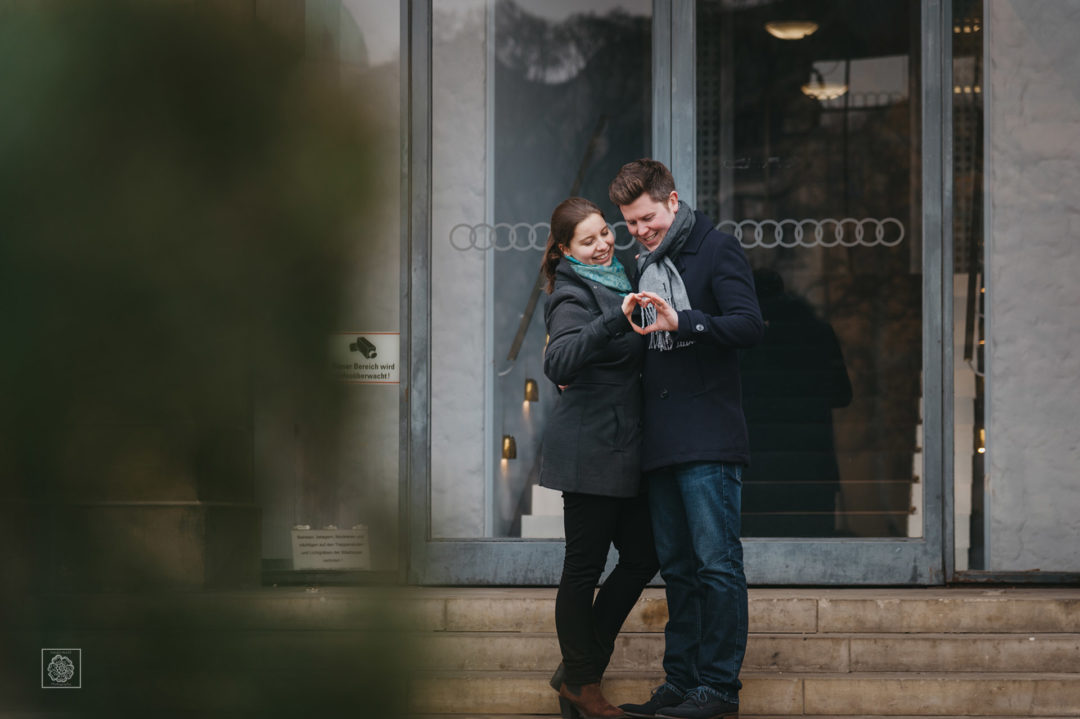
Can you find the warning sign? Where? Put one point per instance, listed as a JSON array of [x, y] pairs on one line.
[[365, 357]]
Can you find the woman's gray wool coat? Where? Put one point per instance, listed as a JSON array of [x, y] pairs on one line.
[[592, 441]]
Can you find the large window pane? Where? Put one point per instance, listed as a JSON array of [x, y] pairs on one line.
[[532, 101], [302, 482], [809, 152]]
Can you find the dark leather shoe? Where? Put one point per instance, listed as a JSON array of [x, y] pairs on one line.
[[586, 701], [663, 696], [701, 703]]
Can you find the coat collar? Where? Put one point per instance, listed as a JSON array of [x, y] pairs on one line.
[[702, 225]]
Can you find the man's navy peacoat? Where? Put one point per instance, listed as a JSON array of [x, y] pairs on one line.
[[692, 393]]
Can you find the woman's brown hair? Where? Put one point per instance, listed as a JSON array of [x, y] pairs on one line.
[[564, 219]]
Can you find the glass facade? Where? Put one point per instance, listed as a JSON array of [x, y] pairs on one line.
[[531, 102], [805, 123], [807, 126], [809, 151], [812, 133]]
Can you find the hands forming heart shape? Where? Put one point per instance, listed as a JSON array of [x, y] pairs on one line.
[[666, 318]]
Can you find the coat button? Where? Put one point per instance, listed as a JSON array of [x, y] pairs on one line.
[[699, 328], [663, 393]]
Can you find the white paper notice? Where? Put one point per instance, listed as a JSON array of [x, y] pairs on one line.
[[331, 548]]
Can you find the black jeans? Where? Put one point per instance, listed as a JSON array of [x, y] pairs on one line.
[[587, 628]]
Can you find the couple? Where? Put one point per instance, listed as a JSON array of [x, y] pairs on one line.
[[648, 441]]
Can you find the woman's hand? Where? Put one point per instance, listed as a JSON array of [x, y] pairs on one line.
[[667, 319], [631, 301]]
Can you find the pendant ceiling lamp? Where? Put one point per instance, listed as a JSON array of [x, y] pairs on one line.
[[791, 29]]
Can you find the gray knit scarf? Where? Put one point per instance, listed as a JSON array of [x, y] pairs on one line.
[[657, 274]]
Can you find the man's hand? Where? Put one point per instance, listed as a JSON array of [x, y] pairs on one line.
[[666, 318]]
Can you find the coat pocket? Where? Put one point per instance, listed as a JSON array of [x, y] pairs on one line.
[[627, 428]]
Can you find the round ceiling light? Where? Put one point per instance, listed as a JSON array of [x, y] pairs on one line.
[[791, 29]]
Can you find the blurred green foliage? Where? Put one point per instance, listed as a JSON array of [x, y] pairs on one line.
[[176, 193], [179, 188]]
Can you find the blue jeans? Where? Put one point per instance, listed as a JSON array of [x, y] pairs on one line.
[[696, 522]]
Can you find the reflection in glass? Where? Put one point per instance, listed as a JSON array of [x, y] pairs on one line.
[[808, 151], [532, 102]]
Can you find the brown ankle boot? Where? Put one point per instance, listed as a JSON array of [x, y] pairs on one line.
[[586, 701]]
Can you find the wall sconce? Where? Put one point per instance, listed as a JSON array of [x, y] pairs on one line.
[[791, 29], [509, 447], [820, 90], [981, 449], [532, 390]]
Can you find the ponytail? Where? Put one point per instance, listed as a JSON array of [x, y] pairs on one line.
[[552, 254]]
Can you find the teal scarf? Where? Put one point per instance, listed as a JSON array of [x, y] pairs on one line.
[[613, 275]]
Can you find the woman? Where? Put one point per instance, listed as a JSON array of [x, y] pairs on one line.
[[590, 450]]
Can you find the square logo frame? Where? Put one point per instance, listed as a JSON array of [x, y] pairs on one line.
[[61, 668]]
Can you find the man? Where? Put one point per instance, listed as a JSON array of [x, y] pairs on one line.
[[696, 292]]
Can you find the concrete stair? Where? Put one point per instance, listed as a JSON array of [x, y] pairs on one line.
[[458, 653], [833, 652]]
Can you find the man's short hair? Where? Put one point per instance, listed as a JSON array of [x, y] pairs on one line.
[[638, 177]]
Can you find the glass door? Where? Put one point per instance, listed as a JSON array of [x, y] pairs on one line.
[[531, 101], [820, 152], [813, 149]]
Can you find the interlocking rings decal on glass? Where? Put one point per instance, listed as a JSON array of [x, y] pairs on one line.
[[767, 234], [828, 232], [503, 236]]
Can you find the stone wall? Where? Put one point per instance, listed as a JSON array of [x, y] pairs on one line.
[[1033, 141]]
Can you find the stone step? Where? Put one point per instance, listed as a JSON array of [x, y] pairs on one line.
[[781, 611], [292, 651], [510, 651], [279, 648], [772, 611], [765, 694], [277, 608]]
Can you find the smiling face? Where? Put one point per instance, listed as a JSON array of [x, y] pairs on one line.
[[648, 220], [592, 243]]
